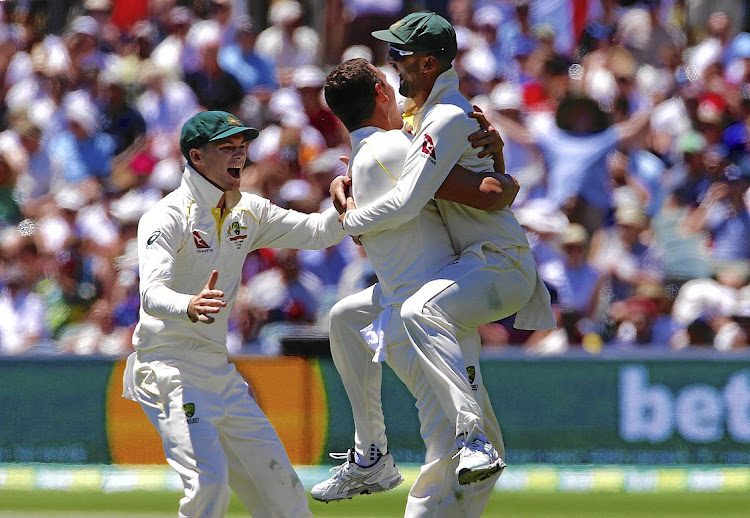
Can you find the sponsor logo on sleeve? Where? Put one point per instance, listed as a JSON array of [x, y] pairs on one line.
[[428, 149], [152, 239]]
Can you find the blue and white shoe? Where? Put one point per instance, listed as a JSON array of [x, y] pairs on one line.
[[351, 479], [477, 460]]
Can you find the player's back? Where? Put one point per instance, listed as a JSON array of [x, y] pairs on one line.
[[405, 256]]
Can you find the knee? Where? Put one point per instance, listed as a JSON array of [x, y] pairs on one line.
[[412, 310], [340, 314]]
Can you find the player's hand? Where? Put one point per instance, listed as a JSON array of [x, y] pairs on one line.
[[339, 192], [505, 185], [487, 137], [207, 301], [350, 205]]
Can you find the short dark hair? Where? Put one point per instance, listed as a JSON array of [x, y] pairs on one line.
[[444, 58], [350, 92]]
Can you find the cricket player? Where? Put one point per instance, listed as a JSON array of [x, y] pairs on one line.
[[495, 275], [404, 259], [191, 248]]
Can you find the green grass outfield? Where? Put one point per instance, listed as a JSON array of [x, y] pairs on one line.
[[162, 504], [94, 491]]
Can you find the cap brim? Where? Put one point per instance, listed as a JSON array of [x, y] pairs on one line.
[[249, 133], [387, 35]]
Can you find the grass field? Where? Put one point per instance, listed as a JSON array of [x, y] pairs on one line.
[[75, 504]]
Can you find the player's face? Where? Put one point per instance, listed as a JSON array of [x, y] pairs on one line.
[[394, 114], [407, 67], [221, 162]]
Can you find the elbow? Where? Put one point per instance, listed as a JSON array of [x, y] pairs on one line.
[[148, 302]]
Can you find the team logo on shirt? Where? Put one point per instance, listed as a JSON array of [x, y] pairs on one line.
[[189, 409], [472, 372], [237, 233], [200, 243], [428, 149]]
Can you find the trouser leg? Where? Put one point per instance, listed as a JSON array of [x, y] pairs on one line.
[[436, 492], [353, 359], [468, 293], [260, 472], [193, 450]]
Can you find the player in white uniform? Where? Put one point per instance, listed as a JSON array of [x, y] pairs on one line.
[[191, 248], [495, 275], [404, 258]]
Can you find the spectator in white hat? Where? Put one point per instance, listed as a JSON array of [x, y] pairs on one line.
[[625, 254], [289, 43], [82, 151], [308, 81], [168, 54], [214, 88], [577, 283], [165, 105], [256, 73], [522, 161]]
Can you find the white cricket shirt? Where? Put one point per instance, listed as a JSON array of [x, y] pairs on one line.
[[441, 141], [442, 129], [184, 236], [406, 256]]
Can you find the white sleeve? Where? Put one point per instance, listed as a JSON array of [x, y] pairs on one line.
[[284, 228], [160, 235], [435, 149]]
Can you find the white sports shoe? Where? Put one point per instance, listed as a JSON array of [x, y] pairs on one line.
[[477, 460], [351, 479]]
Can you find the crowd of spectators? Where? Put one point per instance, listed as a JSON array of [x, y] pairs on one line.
[[627, 124]]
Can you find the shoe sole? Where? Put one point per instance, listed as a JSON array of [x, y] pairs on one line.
[[469, 476], [364, 490]]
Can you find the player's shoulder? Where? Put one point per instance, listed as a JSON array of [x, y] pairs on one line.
[[175, 204], [387, 140], [450, 110], [383, 149], [251, 201]]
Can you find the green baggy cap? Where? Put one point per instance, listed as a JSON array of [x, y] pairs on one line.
[[205, 127], [421, 32]]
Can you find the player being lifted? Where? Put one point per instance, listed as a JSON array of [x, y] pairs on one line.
[[404, 258], [495, 274]]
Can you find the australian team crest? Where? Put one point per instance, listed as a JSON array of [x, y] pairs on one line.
[[237, 233], [189, 409], [234, 121], [472, 372]]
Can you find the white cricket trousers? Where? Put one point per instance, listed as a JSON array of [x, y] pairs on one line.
[[472, 291], [215, 436], [436, 492]]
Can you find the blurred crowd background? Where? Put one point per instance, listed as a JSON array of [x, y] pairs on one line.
[[626, 123]]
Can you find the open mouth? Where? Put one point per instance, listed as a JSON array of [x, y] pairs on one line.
[[234, 172]]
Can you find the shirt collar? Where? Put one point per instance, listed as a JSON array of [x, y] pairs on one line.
[[360, 134], [204, 192]]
